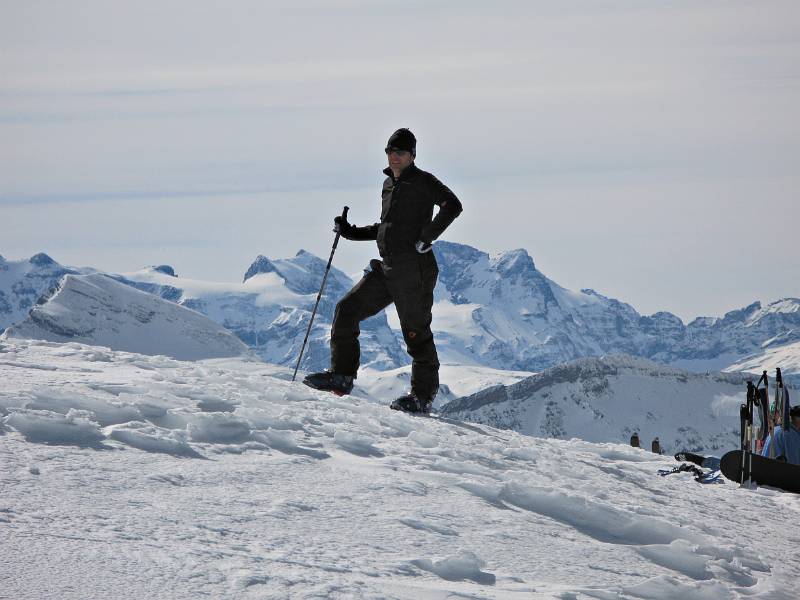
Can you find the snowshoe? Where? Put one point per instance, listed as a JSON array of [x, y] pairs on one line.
[[341, 385], [412, 404]]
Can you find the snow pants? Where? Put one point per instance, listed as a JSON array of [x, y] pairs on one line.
[[407, 281]]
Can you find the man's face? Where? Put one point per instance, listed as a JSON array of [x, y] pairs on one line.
[[399, 159]]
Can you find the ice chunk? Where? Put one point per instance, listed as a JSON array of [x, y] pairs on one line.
[[153, 439], [678, 556], [105, 412], [464, 565], [218, 428], [356, 444], [48, 427]]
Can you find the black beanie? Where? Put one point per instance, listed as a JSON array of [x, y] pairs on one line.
[[403, 139]]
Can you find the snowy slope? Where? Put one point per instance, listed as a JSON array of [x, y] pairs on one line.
[[785, 356], [129, 476], [98, 310], [609, 398]]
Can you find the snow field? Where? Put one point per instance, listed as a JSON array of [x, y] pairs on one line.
[[150, 477]]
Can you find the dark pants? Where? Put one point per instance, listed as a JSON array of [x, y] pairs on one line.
[[408, 283]]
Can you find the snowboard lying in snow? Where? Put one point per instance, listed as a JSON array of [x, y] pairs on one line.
[[765, 471]]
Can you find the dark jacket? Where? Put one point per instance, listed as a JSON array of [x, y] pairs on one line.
[[407, 212]]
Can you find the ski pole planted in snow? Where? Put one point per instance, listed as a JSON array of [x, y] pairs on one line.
[[319, 296]]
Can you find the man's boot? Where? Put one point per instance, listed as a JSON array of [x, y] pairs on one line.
[[411, 403], [340, 385]]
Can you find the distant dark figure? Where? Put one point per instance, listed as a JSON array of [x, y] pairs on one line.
[[635, 440], [656, 446]]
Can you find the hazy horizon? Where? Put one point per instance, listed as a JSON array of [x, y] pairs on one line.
[[649, 152]]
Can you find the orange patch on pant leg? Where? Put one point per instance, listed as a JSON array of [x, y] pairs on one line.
[[412, 334]]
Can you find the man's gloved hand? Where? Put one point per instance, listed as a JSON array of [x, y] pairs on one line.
[[423, 247], [341, 226]]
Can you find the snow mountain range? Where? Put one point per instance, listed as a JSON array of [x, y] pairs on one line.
[[269, 311], [494, 311], [501, 311], [271, 308]]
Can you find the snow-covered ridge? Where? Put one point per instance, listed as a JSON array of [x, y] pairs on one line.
[[98, 310], [773, 355], [609, 398], [125, 475], [493, 311], [23, 283]]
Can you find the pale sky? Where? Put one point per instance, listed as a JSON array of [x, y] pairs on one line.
[[648, 150]]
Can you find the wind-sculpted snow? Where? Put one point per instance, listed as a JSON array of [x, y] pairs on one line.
[[610, 398], [287, 492], [152, 438], [595, 519], [76, 427], [97, 310]]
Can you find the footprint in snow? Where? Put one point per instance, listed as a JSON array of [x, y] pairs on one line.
[[421, 526]]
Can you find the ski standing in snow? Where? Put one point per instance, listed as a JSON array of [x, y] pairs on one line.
[[405, 275]]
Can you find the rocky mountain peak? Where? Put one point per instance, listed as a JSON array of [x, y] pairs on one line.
[[742, 313], [165, 269], [306, 260], [41, 260], [784, 305], [260, 265], [515, 262]]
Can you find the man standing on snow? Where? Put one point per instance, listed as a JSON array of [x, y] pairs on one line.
[[406, 275]]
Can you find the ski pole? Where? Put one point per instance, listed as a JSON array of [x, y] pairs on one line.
[[778, 410], [319, 296], [746, 416]]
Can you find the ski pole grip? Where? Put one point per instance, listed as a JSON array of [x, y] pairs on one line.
[[344, 213], [764, 378]]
